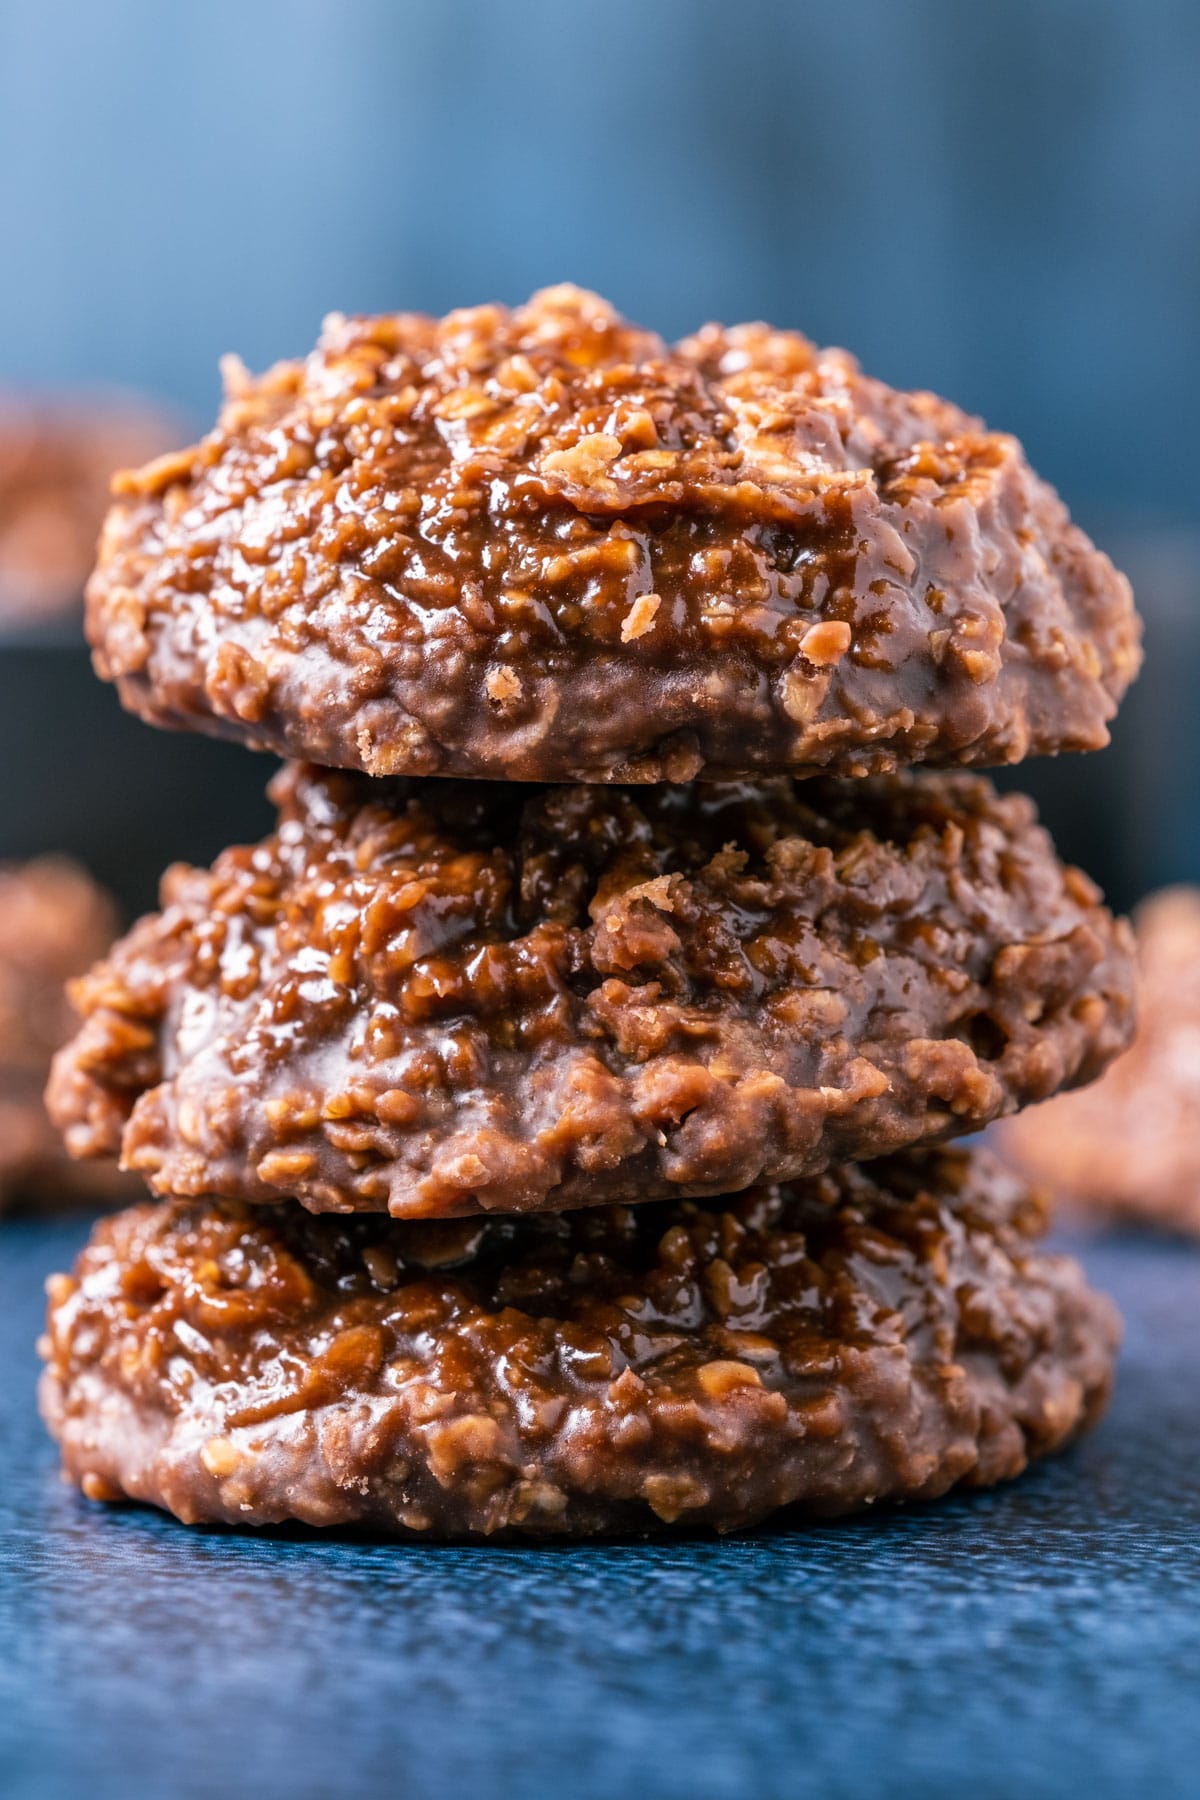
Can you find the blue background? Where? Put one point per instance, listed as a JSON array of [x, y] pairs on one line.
[[999, 201]]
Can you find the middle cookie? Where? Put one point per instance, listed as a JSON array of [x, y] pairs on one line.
[[435, 998]]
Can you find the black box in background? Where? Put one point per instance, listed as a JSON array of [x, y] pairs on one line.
[[85, 777]]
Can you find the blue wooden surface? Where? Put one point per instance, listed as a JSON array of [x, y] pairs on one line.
[[1043, 1640]]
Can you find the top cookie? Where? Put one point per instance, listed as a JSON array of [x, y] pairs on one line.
[[544, 545]]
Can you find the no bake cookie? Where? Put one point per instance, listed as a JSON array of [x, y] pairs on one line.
[[434, 998], [883, 1333], [543, 544], [1129, 1147]]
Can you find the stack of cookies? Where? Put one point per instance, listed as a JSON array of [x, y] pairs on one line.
[[545, 1121]]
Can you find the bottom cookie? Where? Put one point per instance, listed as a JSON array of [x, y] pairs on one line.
[[686, 1363]]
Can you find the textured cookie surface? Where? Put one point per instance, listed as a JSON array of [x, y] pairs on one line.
[[544, 545], [1130, 1147], [881, 1334], [433, 998]]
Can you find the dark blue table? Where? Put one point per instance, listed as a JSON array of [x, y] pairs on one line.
[[1044, 1640]]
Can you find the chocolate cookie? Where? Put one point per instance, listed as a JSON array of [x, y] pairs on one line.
[[882, 1333], [544, 545], [434, 998], [56, 463], [1130, 1147], [54, 921]]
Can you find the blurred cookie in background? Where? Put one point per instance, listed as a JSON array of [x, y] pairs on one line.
[[1128, 1147], [54, 921], [57, 458]]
